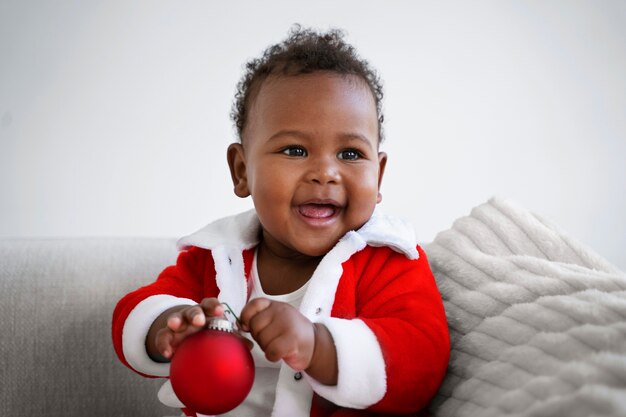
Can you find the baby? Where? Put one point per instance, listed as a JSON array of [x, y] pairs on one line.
[[337, 297]]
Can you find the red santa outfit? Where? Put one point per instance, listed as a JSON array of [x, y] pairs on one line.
[[374, 291]]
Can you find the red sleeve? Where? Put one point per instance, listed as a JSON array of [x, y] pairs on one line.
[[399, 300], [193, 277]]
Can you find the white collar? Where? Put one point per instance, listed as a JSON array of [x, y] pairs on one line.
[[241, 232]]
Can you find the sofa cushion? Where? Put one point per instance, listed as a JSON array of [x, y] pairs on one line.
[[57, 298]]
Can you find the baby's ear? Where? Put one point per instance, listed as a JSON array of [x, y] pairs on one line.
[[237, 165], [382, 163]]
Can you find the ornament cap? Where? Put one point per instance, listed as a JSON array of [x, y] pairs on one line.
[[220, 323]]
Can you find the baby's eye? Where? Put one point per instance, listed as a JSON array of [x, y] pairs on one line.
[[349, 155], [294, 151]]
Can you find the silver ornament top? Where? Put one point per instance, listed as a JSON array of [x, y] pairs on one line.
[[220, 323]]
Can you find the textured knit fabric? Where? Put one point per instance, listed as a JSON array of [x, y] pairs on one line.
[[537, 319]]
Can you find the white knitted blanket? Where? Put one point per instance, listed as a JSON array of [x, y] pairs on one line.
[[537, 320]]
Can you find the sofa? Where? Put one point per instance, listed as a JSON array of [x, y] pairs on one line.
[[537, 322], [58, 296]]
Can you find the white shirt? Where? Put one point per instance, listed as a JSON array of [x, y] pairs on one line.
[[260, 401]]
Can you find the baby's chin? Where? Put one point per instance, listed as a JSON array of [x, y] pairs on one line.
[[316, 250], [315, 246]]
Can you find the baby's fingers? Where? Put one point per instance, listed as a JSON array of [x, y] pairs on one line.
[[179, 321], [164, 343], [251, 309], [212, 307]]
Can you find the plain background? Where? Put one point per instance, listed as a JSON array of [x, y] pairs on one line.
[[114, 115]]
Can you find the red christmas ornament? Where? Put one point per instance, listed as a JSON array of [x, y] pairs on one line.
[[212, 371]]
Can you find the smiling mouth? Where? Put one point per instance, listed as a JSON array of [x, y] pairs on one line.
[[318, 211]]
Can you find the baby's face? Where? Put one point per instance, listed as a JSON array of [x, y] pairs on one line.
[[310, 160]]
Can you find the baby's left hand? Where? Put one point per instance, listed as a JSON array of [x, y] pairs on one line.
[[281, 331]]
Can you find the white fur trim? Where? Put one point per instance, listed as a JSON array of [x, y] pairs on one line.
[[230, 277], [167, 396], [357, 386], [240, 231], [320, 296], [386, 230], [136, 329]]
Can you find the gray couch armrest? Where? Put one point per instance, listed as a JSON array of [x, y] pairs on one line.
[[57, 298]]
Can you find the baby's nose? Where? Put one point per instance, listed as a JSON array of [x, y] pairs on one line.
[[323, 171]]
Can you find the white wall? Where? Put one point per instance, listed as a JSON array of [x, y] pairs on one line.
[[114, 115]]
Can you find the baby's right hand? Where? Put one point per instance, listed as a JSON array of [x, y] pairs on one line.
[[182, 322]]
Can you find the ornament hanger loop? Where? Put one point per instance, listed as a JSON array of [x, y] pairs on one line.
[[231, 312]]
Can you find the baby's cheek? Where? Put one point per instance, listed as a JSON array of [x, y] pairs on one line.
[[364, 189]]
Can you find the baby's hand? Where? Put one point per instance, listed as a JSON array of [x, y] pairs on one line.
[[183, 322], [281, 331]]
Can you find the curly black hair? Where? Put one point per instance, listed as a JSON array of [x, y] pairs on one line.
[[302, 52]]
